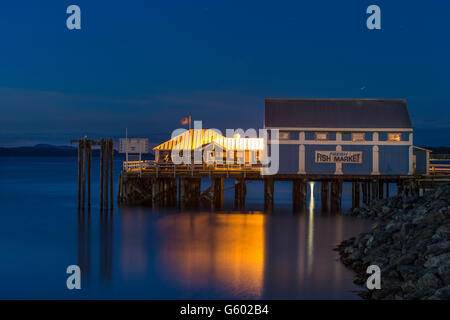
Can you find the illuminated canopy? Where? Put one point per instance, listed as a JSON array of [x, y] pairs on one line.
[[196, 138]]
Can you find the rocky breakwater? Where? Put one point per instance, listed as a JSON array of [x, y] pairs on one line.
[[410, 243]]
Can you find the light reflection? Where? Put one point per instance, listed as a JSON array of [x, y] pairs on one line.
[[134, 252], [310, 257], [245, 256], [84, 243], [106, 246], [223, 250]]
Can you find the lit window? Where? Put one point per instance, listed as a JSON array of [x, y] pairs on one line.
[[358, 136], [321, 136], [394, 137], [284, 135]]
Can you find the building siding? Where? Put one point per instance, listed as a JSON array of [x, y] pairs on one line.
[[394, 159], [289, 156], [421, 161], [358, 168]]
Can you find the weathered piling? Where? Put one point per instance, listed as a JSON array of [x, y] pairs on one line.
[[106, 184], [84, 169], [364, 192], [85, 172], [399, 189], [80, 168], [325, 195], [387, 190], [268, 194], [156, 194], [299, 191], [89, 172], [102, 169], [373, 192], [111, 172], [355, 194], [106, 174], [336, 195], [217, 193], [173, 192], [190, 193], [240, 191], [83, 177], [380, 189]]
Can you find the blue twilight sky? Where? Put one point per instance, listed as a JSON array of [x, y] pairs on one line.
[[146, 64]]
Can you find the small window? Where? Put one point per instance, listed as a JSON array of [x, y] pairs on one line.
[[394, 137], [358, 136], [284, 135], [321, 136]]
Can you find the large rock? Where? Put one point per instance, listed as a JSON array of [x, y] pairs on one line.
[[410, 272], [435, 261], [444, 273], [410, 243], [442, 294], [428, 281], [437, 248]]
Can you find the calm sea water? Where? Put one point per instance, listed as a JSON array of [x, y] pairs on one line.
[[140, 254]]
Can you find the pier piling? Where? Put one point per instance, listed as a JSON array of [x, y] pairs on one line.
[[85, 172], [336, 195], [217, 193], [240, 191], [111, 171], [325, 195], [268, 194], [299, 191]]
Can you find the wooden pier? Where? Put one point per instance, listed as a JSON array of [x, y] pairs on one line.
[[171, 186]]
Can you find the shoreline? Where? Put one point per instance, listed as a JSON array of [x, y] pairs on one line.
[[410, 243]]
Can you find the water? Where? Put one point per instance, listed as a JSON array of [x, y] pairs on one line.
[[140, 254]]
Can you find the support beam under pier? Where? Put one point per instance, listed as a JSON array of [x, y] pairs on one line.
[[325, 196], [336, 196], [240, 191], [217, 193], [268, 194], [190, 193], [299, 191]]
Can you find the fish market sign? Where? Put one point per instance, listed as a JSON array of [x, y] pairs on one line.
[[338, 156]]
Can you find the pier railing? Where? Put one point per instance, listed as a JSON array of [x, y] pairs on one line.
[[439, 164], [439, 169], [158, 167]]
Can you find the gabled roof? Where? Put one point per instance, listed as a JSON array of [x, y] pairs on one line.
[[336, 113], [198, 138], [189, 140]]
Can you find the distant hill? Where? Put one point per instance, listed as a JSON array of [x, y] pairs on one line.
[[48, 150]]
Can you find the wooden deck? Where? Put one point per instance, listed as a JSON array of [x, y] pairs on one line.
[[249, 172]]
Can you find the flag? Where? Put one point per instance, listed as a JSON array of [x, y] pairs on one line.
[[186, 120]]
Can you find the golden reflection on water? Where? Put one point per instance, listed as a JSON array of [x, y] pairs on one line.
[[240, 255], [224, 249]]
